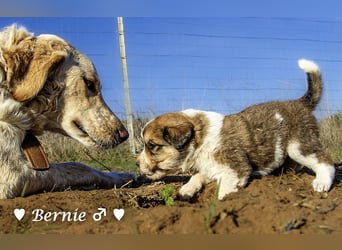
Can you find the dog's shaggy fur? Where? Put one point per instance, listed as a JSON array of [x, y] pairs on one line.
[[229, 149], [46, 84]]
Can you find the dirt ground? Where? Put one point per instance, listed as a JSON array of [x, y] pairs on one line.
[[282, 203]]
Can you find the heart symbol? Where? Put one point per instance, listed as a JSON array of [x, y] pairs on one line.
[[19, 213], [118, 213]]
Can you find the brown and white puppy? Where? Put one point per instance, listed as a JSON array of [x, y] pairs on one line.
[[229, 149]]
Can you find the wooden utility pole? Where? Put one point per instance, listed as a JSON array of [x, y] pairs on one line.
[[129, 115]]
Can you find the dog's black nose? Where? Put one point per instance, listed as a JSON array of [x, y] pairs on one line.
[[123, 134]]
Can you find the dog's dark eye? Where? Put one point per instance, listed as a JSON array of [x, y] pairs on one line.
[[91, 86], [151, 146]]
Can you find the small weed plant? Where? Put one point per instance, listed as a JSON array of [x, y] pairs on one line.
[[210, 215], [166, 194]]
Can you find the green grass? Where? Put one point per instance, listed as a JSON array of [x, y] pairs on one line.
[[62, 149]]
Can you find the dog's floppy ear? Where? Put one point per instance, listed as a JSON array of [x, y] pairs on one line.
[[28, 65], [179, 136]]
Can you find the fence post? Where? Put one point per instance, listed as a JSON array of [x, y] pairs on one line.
[[129, 115]]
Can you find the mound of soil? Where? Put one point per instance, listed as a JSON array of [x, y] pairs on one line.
[[282, 203]]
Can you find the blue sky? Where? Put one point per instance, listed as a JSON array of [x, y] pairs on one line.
[[174, 8], [214, 63]]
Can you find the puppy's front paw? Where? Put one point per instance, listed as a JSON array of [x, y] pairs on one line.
[[186, 192]]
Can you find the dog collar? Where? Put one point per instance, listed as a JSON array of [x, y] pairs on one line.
[[34, 152]]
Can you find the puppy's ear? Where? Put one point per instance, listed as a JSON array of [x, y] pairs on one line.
[[180, 135], [28, 65]]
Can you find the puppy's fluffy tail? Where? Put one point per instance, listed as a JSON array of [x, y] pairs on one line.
[[313, 95]]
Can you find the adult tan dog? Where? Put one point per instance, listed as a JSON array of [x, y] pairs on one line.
[[46, 84], [229, 149]]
